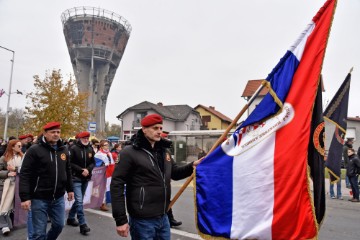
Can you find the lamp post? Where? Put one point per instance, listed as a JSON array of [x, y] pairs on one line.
[[9, 93]]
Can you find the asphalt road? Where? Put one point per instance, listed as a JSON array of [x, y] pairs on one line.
[[342, 221]]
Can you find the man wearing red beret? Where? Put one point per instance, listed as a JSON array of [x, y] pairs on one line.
[[146, 168], [25, 140], [45, 176], [82, 164]]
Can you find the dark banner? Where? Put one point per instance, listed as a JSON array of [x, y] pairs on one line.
[[316, 157], [336, 113]]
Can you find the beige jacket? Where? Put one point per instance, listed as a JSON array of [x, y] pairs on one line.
[[8, 191]]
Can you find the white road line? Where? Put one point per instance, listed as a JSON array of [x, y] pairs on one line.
[[105, 214], [185, 234], [174, 231]]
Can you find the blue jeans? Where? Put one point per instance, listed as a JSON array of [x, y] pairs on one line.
[[30, 226], [78, 207], [40, 210], [354, 186], [338, 189], [150, 228], [347, 181]]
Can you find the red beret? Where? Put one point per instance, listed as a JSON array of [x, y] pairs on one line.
[[151, 119], [83, 135], [164, 135], [21, 137], [51, 125]]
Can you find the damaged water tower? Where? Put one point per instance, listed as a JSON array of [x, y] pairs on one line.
[[96, 40]]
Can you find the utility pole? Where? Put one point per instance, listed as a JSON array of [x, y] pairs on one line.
[[9, 93]]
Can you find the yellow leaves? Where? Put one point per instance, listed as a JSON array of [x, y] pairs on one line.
[[53, 100]]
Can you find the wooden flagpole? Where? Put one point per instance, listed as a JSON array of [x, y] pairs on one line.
[[218, 142]]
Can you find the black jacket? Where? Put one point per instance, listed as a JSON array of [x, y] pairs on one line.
[[147, 173], [81, 157], [353, 166], [45, 172]]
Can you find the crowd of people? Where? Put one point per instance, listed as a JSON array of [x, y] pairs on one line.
[[138, 180], [48, 167]]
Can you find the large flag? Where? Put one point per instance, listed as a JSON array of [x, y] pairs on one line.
[[336, 114], [255, 185], [316, 153]]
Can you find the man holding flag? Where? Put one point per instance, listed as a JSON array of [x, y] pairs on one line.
[[255, 185], [146, 168]]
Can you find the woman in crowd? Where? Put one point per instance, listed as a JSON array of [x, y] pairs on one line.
[[115, 151], [104, 158], [95, 144], [9, 164]]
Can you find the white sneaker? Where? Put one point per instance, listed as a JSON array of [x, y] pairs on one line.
[[5, 230]]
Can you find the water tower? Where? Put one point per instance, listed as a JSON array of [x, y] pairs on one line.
[[96, 40]]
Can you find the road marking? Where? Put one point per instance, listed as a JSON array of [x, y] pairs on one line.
[[185, 234], [174, 231], [105, 214]]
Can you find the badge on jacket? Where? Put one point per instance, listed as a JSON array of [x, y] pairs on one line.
[[167, 157], [63, 156]]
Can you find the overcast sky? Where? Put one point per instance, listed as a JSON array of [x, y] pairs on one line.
[[183, 51]]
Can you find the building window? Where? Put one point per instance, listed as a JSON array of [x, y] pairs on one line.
[[137, 119], [205, 120]]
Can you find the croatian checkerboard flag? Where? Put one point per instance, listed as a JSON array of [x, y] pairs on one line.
[[255, 185]]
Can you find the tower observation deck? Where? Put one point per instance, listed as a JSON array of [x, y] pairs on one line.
[[96, 40]]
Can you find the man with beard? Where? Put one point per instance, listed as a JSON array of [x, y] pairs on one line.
[[82, 164], [45, 176]]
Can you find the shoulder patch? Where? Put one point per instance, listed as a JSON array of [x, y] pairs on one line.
[[63, 156]]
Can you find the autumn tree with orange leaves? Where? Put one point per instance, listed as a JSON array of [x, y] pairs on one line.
[[53, 100]]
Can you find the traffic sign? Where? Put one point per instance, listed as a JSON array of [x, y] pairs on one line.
[[92, 127]]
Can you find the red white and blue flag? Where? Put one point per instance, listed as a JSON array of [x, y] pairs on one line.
[[2, 92], [255, 185]]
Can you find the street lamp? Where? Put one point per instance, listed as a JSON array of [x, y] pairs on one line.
[[9, 93]]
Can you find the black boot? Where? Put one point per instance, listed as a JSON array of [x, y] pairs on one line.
[[84, 229], [172, 221], [72, 222]]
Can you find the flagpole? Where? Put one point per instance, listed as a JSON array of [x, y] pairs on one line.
[[219, 141]]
